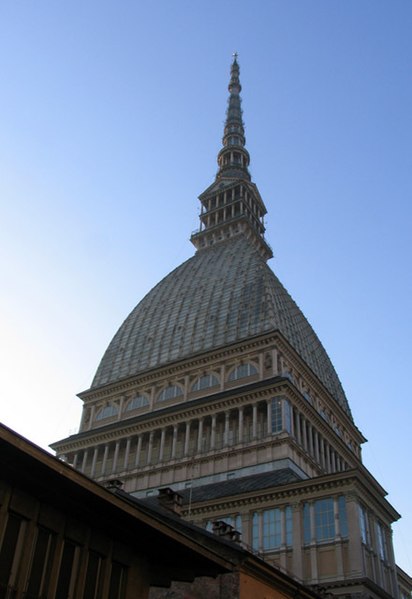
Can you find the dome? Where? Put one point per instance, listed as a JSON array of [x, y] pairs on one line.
[[223, 294]]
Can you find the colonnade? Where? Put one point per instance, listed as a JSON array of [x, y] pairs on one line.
[[244, 424]]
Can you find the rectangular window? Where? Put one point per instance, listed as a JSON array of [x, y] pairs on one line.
[[381, 540], [94, 576], [11, 550], [363, 524], [343, 520], [324, 519], [118, 579], [38, 584], [255, 531], [271, 529], [276, 415], [287, 415], [66, 584], [307, 536]]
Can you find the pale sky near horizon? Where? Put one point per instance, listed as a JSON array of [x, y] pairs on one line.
[[111, 119]]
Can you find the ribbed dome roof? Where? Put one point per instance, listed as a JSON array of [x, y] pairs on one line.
[[223, 294]]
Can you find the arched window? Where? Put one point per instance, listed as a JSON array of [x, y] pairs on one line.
[[137, 402], [107, 412], [170, 392], [204, 382], [242, 371]]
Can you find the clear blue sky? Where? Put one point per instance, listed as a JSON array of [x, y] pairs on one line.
[[111, 118]]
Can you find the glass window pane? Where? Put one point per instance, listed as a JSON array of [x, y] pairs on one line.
[[324, 519]]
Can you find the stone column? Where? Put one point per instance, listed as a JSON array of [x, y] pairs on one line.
[[261, 366], [269, 417], [92, 411], [104, 460], [246, 526], [186, 388], [333, 457], [310, 438], [187, 437], [313, 549], [297, 541], [226, 433], [162, 444], [254, 422], [299, 428], [75, 460], [120, 412], [84, 462], [316, 439], [338, 536], [275, 367], [152, 397], [126, 454], [327, 457], [150, 448], [260, 524], [304, 434], [115, 457], [174, 442], [94, 460], [222, 378], [283, 539], [240, 429], [213, 432], [138, 450], [200, 436], [355, 552]]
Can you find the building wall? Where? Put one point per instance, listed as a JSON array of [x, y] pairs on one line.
[[46, 552]]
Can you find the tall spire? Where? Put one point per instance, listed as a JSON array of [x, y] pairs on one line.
[[232, 205], [233, 159]]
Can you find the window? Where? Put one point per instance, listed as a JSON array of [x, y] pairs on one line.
[[204, 382], [324, 519], [107, 412], [94, 576], [288, 415], [242, 371], [118, 578], [281, 415], [268, 532], [364, 525], [137, 402], [271, 529], [38, 584], [276, 415], [381, 541], [11, 550], [170, 392], [68, 571], [324, 516]]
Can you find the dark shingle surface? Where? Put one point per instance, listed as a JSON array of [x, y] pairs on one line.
[[221, 295], [237, 486]]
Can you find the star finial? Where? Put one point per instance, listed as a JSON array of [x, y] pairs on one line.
[[235, 55]]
